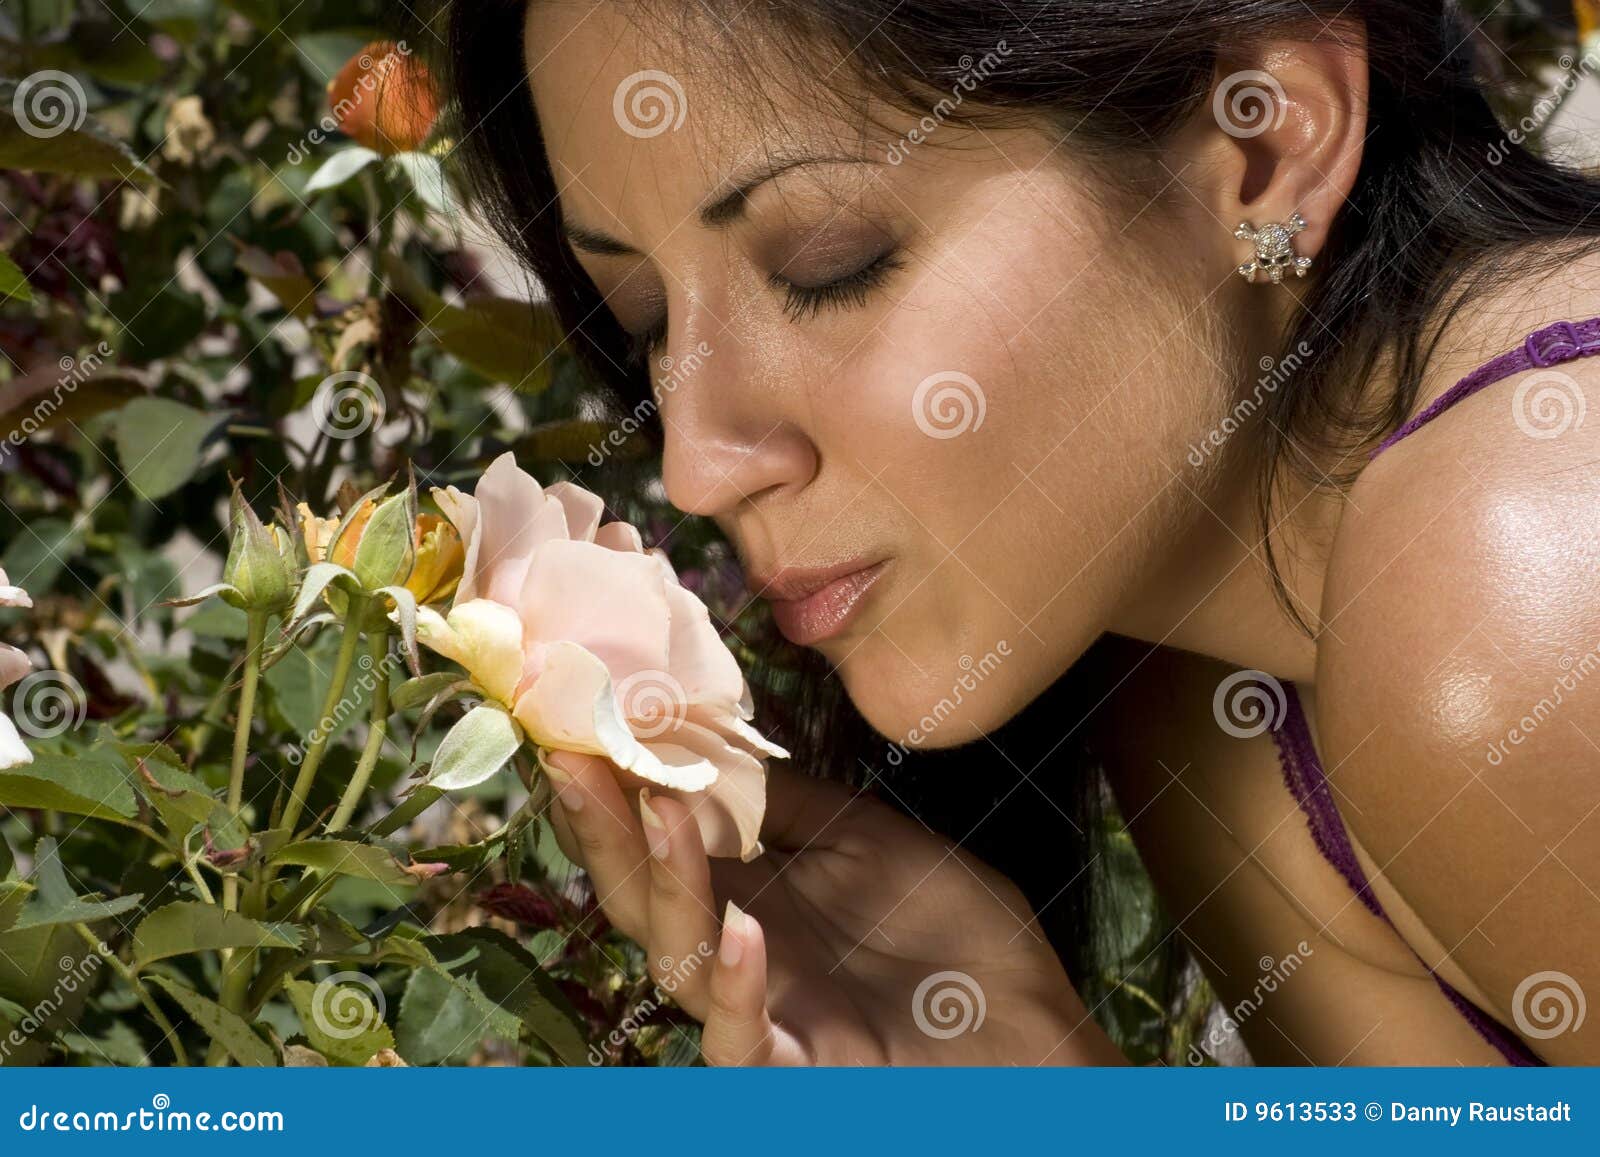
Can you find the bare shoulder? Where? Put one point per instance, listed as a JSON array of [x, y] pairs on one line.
[[1459, 672]]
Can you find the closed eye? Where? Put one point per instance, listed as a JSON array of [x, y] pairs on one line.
[[850, 291]]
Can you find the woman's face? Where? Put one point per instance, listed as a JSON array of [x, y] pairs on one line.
[[939, 394]]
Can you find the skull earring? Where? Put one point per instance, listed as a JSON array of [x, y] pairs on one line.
[[1275, 253]]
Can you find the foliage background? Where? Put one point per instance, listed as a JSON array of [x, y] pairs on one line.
[[181, 287]]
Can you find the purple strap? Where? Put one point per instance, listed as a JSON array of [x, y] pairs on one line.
[[1308, 783], [1563, 341]]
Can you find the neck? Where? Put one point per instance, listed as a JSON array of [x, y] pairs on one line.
[[1212, 592]]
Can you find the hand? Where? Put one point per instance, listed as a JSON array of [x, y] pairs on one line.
[[826, 937]]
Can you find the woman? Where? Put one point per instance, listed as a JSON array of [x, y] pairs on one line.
[[1235, 334]]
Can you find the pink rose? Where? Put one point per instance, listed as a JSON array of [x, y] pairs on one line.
[[591, 645]]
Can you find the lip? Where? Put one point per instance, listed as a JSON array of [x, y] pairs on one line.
[[812, 604]]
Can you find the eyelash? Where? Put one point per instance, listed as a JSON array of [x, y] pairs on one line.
[[800, 301]]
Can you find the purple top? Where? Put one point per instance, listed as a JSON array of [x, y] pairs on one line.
[[1563, 341]]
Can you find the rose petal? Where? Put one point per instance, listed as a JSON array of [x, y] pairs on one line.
[[582, 508], [484, 637], [610, 603], [14, 664], [729, 811], [622, 536], [697, 656], [13, 752]]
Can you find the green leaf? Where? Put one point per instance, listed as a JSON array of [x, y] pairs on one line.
[[90, 783], [159, 442], [217, 620], [54, 900], [12, 281], [56, 134], [346, 858], [228, 1029], [426, 175], [158, 320], [422, 689], [419, 801], [511, 978], [13, 895], [192, 926], [443, 1018], [475, 748], [37, 553], [509, 341], [339, 168], [339, 1017]]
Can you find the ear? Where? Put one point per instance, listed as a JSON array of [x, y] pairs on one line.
[[1282, 133]]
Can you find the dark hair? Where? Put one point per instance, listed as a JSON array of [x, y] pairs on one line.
[[1441, 201]]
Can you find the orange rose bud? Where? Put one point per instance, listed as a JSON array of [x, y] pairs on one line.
[[384, 98], [1588, 13]]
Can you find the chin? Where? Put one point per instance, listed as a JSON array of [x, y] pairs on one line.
[[940, 700]]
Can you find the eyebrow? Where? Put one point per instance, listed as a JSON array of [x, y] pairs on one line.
[[727, 206]]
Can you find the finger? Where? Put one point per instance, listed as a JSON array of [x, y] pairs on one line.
[[563, 830], [606, 836], [737, 1028], [683, 915]]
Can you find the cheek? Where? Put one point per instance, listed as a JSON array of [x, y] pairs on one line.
[[1017, 425]]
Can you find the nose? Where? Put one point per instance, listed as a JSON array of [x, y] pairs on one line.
[[730, 438]]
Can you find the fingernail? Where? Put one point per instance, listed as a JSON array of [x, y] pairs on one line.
[[655, 832], [733, 925], [566, 790]]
